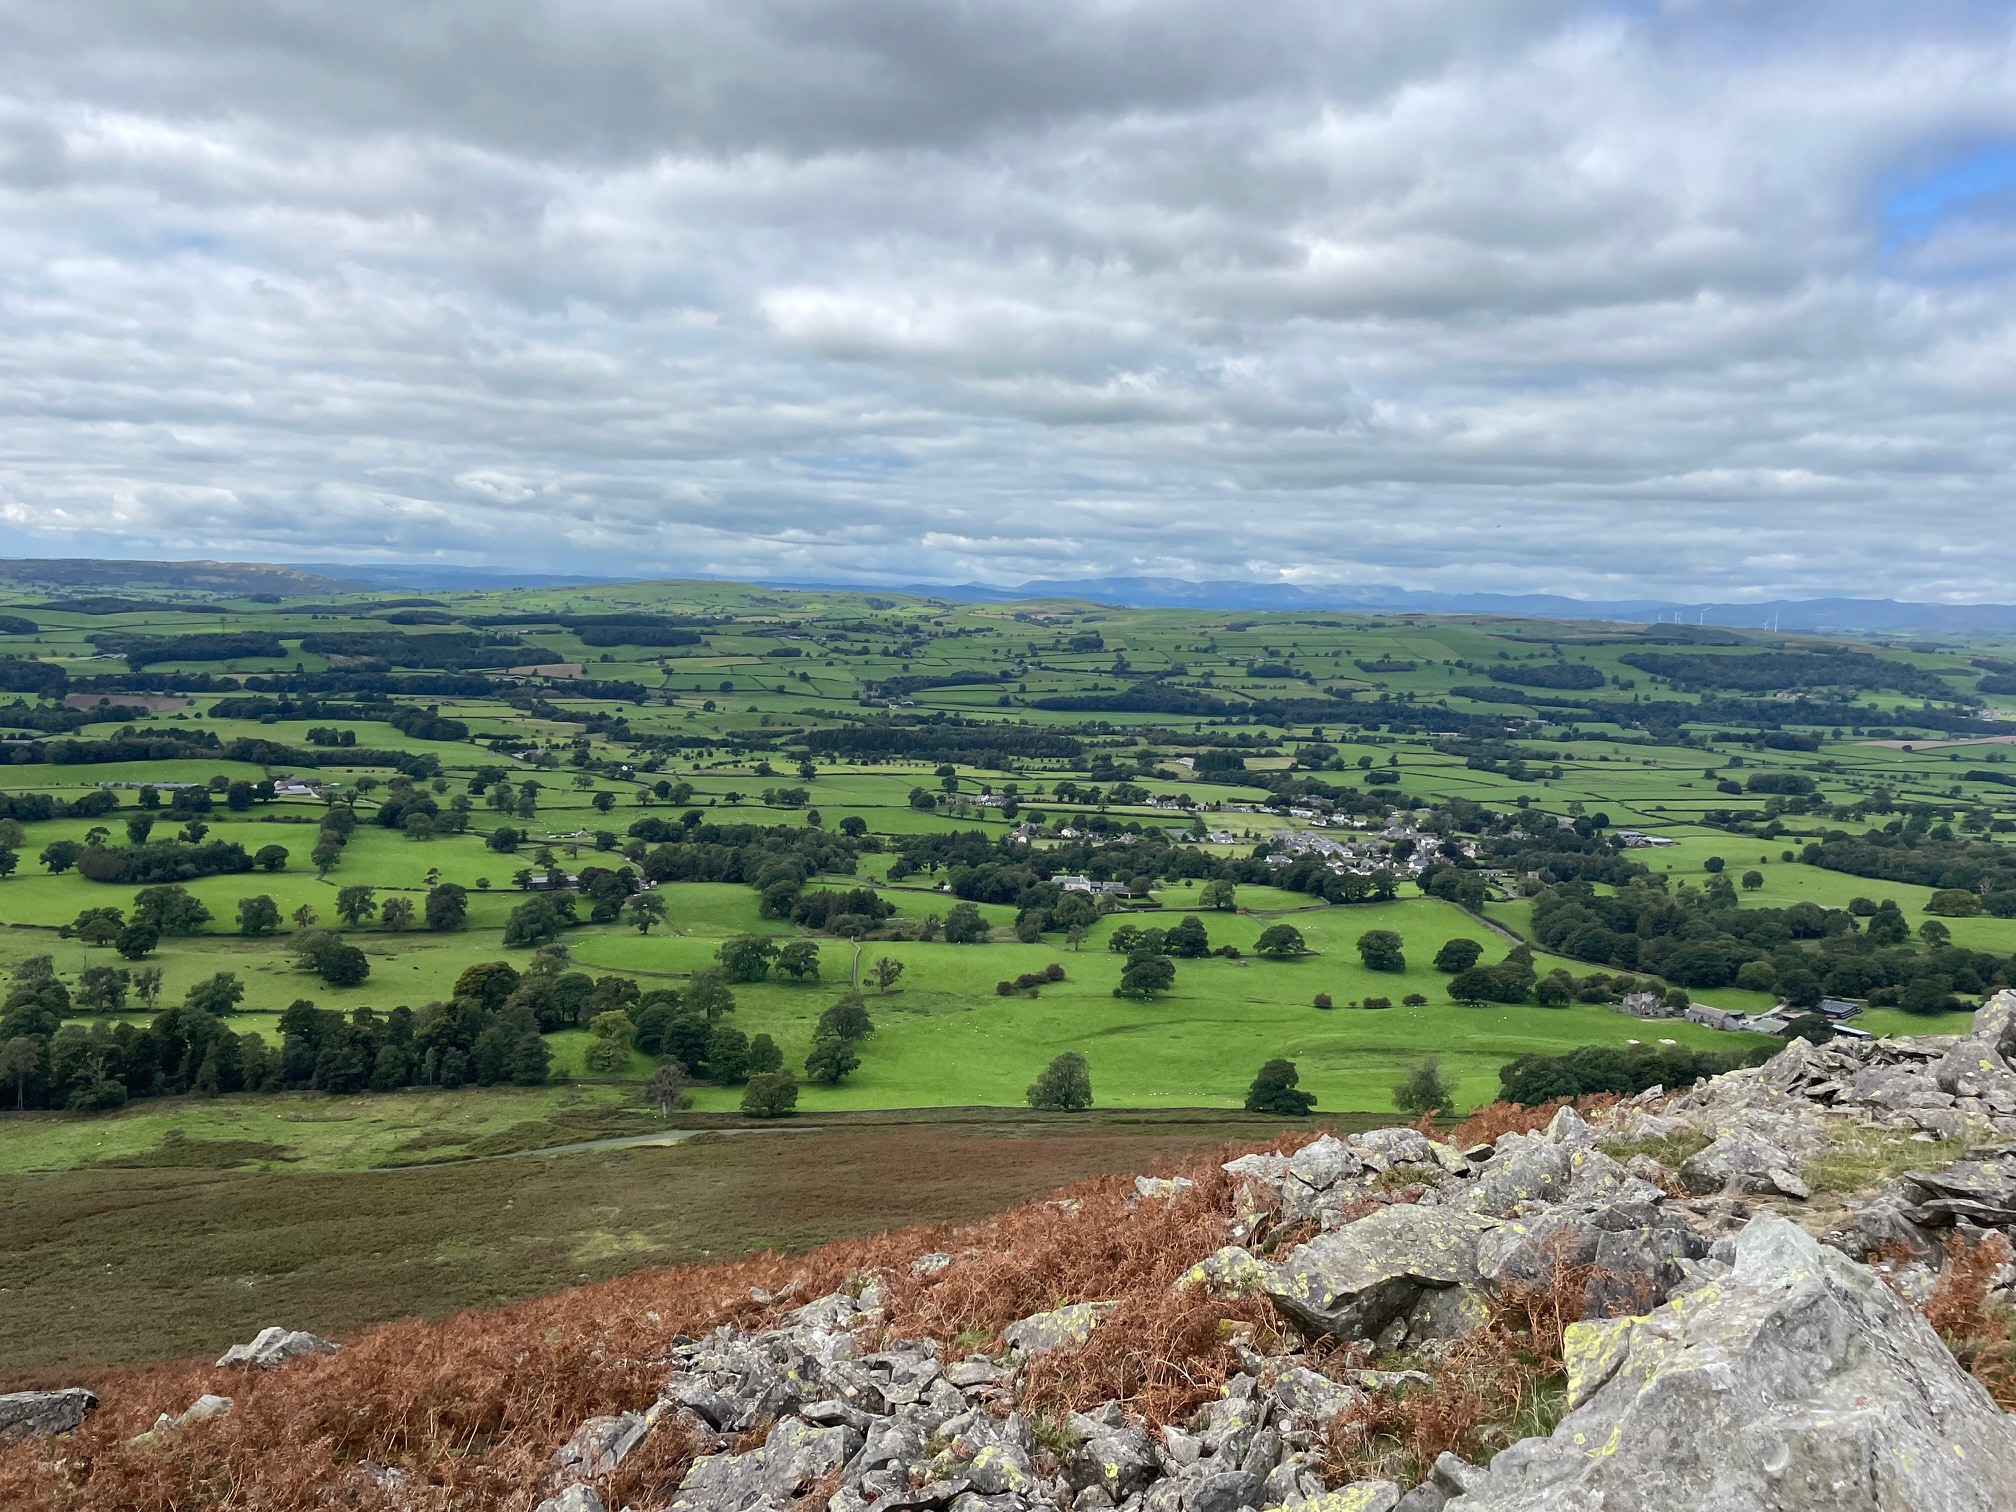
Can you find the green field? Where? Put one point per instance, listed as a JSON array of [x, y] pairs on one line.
[[1458, 779]]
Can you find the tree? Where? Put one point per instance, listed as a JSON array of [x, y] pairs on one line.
[[488, 983], [613, 1032], [1954, 903], [771, 1095], [1274, 1091], [147, 985], [60, 855], [218, 995], [964, 925], [885, 971], [396, 913], [1458, 955], [540, 919], [799, 960], [356, 904], [1752, 880], [20, 1061], [137, 940], [258, 915], [831, 1059], [1812, 1027], [447, 906], [1423, 1091], [97, 926], [1146, 976], [707, 994], [1381, 950], [1219, 894], [170, 910], [1187, 939], [270, 858], [645, 909], [846, 1019], [603, 802], [1065, 1085], [747, 957], [303, 917], [764, 1056], [1280, 941], [667, 1089], [102, 989]]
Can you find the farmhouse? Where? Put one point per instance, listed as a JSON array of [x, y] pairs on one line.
[[1715, 1018], [1077, 884]]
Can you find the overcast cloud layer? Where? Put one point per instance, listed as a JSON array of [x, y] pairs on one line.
[[1702, 298]]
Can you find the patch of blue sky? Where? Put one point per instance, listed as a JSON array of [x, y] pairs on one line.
[[1977, 187]]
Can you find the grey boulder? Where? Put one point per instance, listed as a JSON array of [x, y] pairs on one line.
[[275, 1346], [1380, 1276], [38, 1414], [1798, 1383]]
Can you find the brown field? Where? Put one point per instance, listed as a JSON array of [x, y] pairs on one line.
[[108, 1266]]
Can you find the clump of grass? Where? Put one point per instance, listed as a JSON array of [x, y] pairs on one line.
[[1668, 1149], [1859, 1158]]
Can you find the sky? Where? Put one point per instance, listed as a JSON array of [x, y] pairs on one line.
[[1670, 298]]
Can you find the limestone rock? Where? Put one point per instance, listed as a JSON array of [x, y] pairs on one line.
[[789, 1464], [1231, 1271], [1042, 1332], [275, 1346], [1367, 1277], [1800, 1383], [38, 1414]]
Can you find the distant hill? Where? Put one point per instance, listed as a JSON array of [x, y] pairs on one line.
[[219, 579], [1821, 614], [432, 577], [302, 579]]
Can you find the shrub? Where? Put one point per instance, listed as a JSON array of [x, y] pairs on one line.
[[1323, 1000]]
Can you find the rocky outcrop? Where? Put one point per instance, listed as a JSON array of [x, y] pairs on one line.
[[275, 1346], [1797, 1382], [1398, 1276], [39, 1414]]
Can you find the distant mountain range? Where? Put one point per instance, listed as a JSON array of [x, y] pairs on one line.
[[1822, 614], [303, 579]]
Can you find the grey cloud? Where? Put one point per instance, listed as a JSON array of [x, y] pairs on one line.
[[1515, 295]]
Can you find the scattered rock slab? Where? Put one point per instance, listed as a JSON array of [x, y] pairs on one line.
[[39, 1414]]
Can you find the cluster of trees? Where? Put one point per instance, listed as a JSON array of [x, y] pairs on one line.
[[190, 1047], [1701, 937], [1787, 671], [1629, 1069], [1930, 855]]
